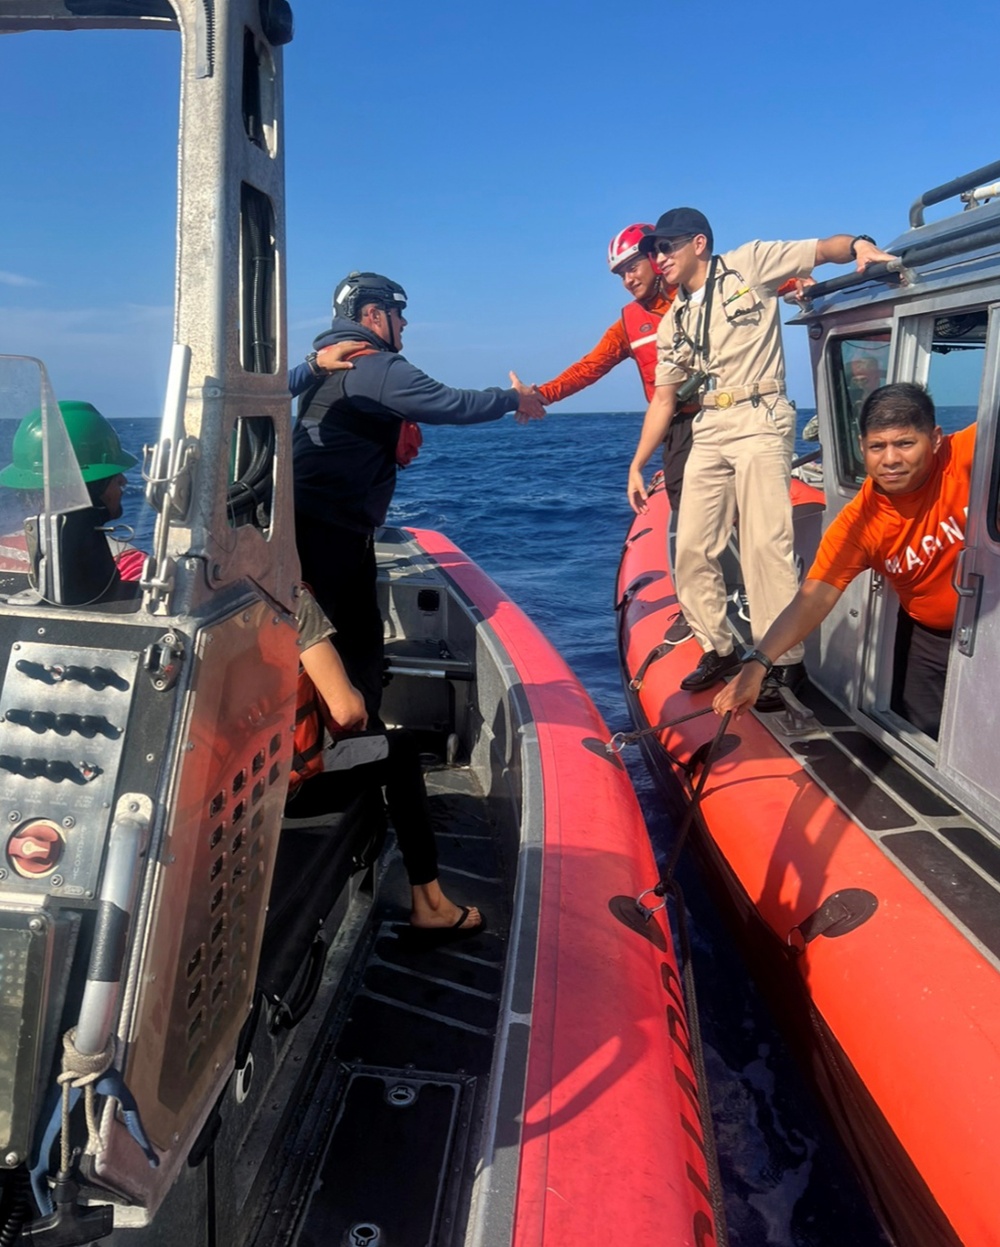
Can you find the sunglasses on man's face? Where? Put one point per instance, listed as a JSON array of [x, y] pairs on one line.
[[666, 246]]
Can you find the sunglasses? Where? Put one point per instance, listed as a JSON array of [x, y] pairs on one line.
[[666, 246]]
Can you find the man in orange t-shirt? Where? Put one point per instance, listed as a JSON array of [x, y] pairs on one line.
[[907, 522]]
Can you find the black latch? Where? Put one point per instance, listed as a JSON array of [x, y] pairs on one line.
[[70, 1225], [162, 661]]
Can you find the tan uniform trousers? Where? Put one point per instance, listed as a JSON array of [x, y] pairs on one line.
[[740, 463]]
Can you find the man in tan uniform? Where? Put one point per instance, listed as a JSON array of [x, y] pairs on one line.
[[741, 456]]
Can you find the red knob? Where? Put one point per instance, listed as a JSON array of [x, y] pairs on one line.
[[35, 848]]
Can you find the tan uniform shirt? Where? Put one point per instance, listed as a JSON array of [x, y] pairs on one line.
[[744, 341]]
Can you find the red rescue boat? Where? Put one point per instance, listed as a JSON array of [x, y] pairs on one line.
[[808, 829], [607, 1070]]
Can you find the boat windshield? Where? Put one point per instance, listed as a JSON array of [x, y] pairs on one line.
[[40, 473], [52, 540]]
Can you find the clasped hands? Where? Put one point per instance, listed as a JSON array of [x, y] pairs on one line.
[[530, 407]]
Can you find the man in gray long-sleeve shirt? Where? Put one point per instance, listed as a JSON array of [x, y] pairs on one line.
[[344, 449]]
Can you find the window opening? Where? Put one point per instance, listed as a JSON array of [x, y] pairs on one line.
[[858, 365], [251, 473], [257, 281], [955, 369], [953, 357]]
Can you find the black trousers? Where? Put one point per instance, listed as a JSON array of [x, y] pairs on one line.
[[919, 672], [338, 564], [676, 448], [402, 777]]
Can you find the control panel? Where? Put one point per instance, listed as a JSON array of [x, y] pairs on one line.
[[63, 715]]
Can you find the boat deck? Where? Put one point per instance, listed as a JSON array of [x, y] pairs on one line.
[[944, 851], [378, 1153]]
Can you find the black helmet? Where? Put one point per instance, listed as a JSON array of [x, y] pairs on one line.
[[357, 289]]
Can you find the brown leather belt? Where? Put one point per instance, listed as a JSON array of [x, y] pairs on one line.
[[722, 399]]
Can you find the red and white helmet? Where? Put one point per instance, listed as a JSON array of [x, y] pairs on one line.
[[625, 245]]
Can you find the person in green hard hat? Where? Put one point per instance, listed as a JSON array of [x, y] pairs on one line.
[[103, 464]]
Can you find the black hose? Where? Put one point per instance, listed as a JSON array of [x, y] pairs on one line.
[[16, 1207]]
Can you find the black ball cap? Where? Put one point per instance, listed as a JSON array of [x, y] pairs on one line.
[[677, 223]]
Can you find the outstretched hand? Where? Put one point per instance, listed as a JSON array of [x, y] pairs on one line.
[[530, 406]]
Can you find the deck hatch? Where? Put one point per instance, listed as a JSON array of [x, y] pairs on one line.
[[389, 1163]]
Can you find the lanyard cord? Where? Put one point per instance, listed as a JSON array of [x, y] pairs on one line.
[[706, 315]]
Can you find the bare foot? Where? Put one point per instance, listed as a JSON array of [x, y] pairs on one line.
[[432, 910]]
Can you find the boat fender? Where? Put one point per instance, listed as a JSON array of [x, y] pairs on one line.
[[840, 913]]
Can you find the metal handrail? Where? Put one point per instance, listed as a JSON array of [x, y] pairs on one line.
[[938, 194]]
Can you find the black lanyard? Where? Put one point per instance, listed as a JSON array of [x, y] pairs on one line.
[[706, 310]]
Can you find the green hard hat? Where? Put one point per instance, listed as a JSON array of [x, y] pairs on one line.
[[95, 441]]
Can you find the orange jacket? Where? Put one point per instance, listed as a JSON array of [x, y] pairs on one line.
[[612, 349]]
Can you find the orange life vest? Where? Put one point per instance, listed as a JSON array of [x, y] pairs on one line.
[[312, 721], [640, 327]]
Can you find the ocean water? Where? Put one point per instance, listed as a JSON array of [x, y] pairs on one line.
[[542, 509]]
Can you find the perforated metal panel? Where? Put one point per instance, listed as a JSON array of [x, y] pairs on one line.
[[216, 867]]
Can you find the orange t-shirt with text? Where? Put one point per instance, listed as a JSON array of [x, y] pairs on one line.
[[913, 539]]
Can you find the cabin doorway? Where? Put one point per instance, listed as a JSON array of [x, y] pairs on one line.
[[944, 350], [967, 753]]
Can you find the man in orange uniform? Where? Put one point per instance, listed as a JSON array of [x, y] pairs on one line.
[[633, 336], [907, 522]]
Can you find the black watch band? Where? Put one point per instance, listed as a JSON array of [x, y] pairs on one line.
[[311, 364], [860, 238], [754, 655]]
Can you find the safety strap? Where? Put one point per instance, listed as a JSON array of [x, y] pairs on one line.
[[110, 1084]]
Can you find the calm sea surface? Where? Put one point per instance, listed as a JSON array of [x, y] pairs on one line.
[[542, 509]]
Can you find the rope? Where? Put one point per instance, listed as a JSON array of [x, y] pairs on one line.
[[81, 1070], [620, 739]]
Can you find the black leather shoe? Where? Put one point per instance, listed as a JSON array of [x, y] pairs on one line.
[[712, 668], [791, 677]]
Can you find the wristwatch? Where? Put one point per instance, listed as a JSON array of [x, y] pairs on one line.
[[311, 364], [754, 655], [861, 238]]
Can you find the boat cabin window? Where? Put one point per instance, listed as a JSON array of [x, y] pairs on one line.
[[955, 366], [858, 366]]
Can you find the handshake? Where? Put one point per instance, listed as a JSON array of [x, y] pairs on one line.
[[530, 407]]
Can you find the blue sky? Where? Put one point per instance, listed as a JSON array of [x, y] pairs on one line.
[[482, 154]]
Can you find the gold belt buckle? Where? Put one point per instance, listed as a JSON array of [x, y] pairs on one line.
[[723, 399]]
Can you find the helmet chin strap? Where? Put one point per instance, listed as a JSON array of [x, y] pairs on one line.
[[391, 342]]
